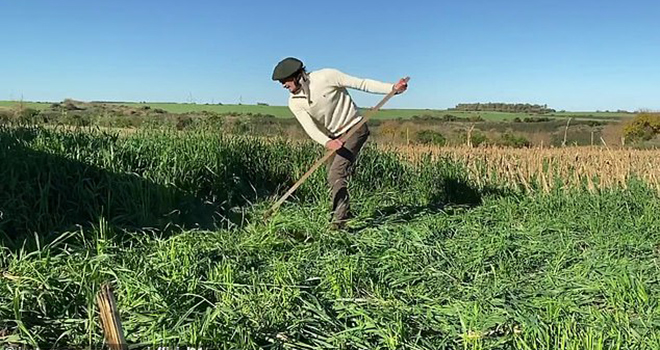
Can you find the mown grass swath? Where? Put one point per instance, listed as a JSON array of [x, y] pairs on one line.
[[436, 258]]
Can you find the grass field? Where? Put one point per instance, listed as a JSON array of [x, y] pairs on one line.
[[438, 256], [283, 111], [17, 104]]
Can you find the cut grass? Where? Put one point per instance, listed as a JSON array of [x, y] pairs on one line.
[[522, 273]]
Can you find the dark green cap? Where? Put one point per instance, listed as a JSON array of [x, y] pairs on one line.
[[286, 68]]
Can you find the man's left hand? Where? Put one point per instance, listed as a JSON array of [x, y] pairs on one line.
[[400, 87]]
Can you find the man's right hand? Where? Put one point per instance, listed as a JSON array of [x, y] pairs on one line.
[[334, 144]]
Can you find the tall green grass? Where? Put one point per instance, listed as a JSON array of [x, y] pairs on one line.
[[431, 261]]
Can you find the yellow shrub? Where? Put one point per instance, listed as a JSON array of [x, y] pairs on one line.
[[644, 126]]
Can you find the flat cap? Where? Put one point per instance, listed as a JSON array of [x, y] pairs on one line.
[[286, 68]]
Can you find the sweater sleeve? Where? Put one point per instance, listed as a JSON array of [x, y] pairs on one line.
[[341, 79], [309, 125]]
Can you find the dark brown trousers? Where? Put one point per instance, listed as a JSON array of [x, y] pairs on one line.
[[340, 167]]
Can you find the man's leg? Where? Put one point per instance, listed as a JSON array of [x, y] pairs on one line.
[[341, 167]]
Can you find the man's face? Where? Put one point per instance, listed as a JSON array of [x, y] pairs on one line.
[[290, 84]]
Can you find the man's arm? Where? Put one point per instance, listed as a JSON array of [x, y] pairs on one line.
[[341, 79], [309, 125]]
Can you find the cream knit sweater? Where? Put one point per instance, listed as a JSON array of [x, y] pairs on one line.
[[331, 111]]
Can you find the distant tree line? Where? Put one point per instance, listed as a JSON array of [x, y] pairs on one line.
[[504, 107]]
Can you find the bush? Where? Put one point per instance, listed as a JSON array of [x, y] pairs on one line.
[[183, 122], [593, 123], [49, 116], [389, 129], [29, 113], [510, 140], [643, 127], [5, 116], [476, 138], [430, 137], [77, 120], [121, 122], [536, 119], [70, 105], [241, 126], [27, 116], [444, 118], [215, 121], [425, 118]]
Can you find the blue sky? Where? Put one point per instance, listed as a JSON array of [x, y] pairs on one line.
[[573, 55]]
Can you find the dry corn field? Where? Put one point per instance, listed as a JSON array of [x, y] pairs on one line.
[[542, 169]]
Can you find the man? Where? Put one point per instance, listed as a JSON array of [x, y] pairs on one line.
[[323, 107]]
